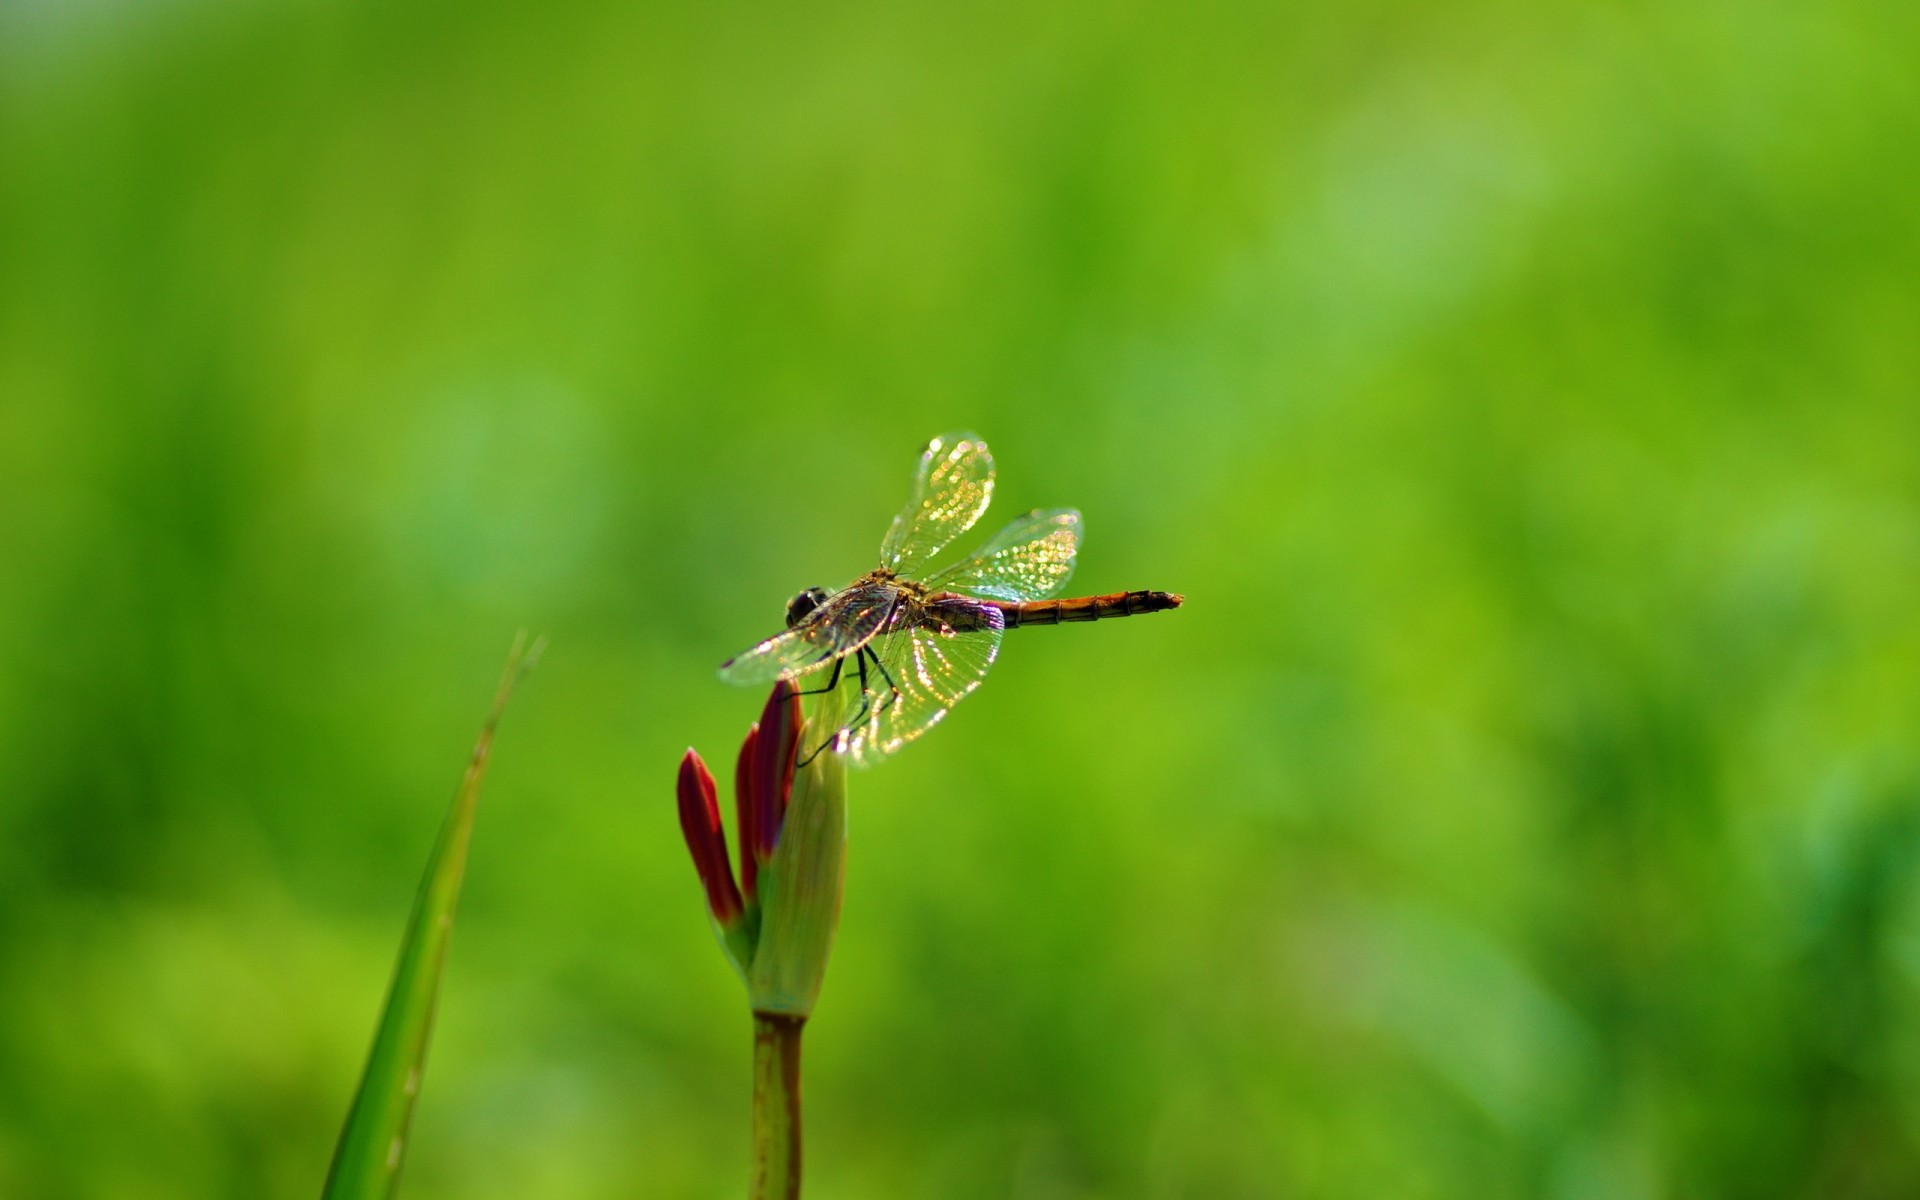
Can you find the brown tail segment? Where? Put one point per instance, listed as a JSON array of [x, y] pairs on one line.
[[1086, 608]]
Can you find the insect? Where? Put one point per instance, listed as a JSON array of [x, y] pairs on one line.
[[916, 646]]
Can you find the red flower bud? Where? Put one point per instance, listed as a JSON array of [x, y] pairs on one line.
[[747, 808], [776, 742], [706, 840]]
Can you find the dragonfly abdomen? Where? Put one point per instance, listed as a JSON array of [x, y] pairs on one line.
[[1084, 608]]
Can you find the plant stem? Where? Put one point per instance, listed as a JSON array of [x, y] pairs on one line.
[[776, 1106]]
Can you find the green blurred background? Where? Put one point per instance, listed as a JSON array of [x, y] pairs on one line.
[[1526, 803]]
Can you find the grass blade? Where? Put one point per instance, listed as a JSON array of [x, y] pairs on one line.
[[366, 1162]]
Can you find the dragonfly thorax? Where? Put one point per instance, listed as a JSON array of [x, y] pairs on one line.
[[801, 606]]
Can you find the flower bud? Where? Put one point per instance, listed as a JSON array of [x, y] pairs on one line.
[[707, 844], [777, 926], [747, 813], [776, 742], [706, 840], [800, 887]]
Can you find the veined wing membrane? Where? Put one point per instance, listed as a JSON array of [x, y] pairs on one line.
[[951, 488], [1031, 559], [926, 666], [840, 626]]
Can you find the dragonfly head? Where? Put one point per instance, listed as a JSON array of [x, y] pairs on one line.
[[801, 606]]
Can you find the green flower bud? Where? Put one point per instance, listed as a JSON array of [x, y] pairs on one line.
[[800, 887]]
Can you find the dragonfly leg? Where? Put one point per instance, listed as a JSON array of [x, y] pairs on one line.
[[866, 695], [884, 674], [860, 661], [831, 683]]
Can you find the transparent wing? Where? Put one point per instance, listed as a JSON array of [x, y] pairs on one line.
[[928, 662], [847, 621], [951, 488], [1030, 559]]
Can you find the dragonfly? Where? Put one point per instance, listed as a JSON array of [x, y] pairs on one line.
[[916, 644]]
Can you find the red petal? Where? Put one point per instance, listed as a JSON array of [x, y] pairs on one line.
[[748, 809], [706, 839], [773, 758]]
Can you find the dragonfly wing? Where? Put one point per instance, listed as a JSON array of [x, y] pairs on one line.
[[846, 622], [951, 488], [927, 665], [1030, 559]]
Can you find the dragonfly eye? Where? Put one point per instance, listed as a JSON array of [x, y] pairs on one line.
[[801, 606]]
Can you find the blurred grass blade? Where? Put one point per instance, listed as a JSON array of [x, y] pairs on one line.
[[366, 1163]]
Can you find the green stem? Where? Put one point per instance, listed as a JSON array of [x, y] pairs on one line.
[[776, 1106]]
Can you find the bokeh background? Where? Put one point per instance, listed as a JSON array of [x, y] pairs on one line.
[[1526, 803]]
